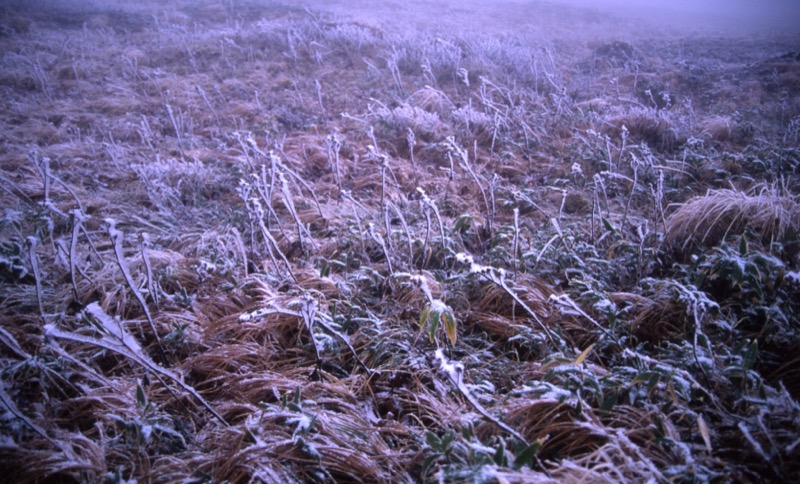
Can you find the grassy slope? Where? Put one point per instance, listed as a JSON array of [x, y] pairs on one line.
[[246, 172]]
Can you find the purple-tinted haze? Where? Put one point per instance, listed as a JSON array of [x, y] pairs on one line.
[[585, 18], [723, 16]]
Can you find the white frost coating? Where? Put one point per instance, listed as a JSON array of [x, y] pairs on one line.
[[418, 279], [483, 387], [113, 326], [756, 446], [113, 232], [454, 370], [681, 377], [147, 431], [438, 306], [605, 306], [705, 361], [369, 412], [303, 423], [423, 196], [546, 392], [269, 309], [793, 277], [475, 268], [487, 474], [324, 341], [485, 449]]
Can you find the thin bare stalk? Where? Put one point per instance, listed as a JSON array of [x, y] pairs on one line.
[[319, 95], [516, 241], [407, 232], [271, 244], [116, 339], [175, 126], [378, 238], [635, 166], [497, 276], [333, 144], [33, 242], [78, 218], [411, 138]]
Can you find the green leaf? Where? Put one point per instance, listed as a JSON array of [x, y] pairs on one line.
[[141, 398], [426, 464], [467, 431], [750, 355], [433, 441], [447, 439], [644, 376], [424, 316], [433, 324], [500, 455], [608, 225], [526, 456], [608, 403]]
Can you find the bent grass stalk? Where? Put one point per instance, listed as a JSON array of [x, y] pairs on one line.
[[257, 212], [78, 218], [117, 236]]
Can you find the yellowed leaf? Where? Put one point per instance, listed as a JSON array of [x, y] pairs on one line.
[[701, 424], [450, 326], [583, 355]]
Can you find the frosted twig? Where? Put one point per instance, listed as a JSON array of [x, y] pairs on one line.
[[455, 373], [497, 276]]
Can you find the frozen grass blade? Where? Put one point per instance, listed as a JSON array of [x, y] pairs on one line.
[[145, 241], [114, 338], [78, 218], [116, 239]]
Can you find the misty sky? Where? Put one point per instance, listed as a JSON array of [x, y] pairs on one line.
[[642, 17], [749, 15]]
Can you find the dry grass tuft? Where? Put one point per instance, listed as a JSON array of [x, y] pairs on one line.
[[655, 319], [534, 292], [562, 429], [648, 126], [709, 219]]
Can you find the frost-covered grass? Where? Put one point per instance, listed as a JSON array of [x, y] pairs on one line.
[[246, 241]]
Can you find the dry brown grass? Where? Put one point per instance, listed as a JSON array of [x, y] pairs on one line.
[[562, 430], [709, 219], [646, 126]]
